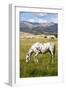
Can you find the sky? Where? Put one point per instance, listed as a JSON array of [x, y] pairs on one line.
[[39, 17]]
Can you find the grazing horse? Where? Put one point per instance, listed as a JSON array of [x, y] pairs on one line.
[[38, 48]]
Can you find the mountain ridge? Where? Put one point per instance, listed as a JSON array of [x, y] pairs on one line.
[[39, 28]]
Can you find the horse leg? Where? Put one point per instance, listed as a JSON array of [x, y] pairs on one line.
[[35, 57], [52, 57]]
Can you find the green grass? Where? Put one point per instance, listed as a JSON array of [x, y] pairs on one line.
[[44, 67]]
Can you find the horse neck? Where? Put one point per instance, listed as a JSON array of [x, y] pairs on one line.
[[30, 52]]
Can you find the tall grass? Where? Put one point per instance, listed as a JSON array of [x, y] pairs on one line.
[[44, 66]]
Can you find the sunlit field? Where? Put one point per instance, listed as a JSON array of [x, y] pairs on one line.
[[44, 67]]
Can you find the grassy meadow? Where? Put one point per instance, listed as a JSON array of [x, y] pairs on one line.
[[44, 67]]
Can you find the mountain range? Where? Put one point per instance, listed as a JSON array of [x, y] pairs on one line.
[[39, 28]]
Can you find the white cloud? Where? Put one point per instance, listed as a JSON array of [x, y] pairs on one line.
[[38, 20], [31, 20], [39, 14], [42, 14], [42, 21]]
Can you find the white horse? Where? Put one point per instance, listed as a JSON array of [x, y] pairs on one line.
[[38, 48]]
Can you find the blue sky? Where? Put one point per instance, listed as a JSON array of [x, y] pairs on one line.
[[39, 17]]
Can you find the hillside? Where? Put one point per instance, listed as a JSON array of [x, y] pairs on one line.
[[39, 28]]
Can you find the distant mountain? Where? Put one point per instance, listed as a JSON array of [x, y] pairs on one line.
[[39, 28]]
